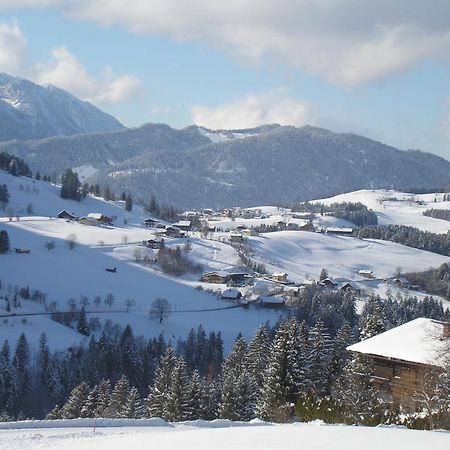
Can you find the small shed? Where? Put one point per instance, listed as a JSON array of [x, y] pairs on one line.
[[231, 294], [271, 301]]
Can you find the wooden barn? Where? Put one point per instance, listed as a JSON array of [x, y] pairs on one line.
[[402, 356], [95, 219], [215, 277], [66, 215]]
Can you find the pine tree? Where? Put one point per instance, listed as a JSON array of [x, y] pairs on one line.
[[320, 346], [133, 408], [128, 203], [354, 393], [118, 399], [20, 375], [82, 325], [272, 404], [339, 356], [70, 186], [158, 398], [4, 196], [209, 400], [74, 405], [4, 241], [194, 395], [257, 354], [178, 398], [130, 358], [5, 377]]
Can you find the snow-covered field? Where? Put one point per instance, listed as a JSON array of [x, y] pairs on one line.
[[399, 208], [302, 254], [221, 435]]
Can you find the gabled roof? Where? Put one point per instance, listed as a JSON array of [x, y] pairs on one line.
[[418, 341]]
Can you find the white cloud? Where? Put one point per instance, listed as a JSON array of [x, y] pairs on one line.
[[254, 110], [348, 42], [64, 70], [13, 48]]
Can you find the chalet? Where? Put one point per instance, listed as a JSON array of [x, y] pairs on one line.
[[231, 294], [402, 356], [95, 219], [401, 282], [341, 231], [66, 215], [155, 243], [241, 228], [219, 277], [347, 287], [184, 225], [328, 282], [280, 276], [151, 222], [271, 301], [366, 274], [307, 227], [174, 232]]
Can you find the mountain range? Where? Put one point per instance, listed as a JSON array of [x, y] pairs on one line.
[[197, 167], [32, 111]]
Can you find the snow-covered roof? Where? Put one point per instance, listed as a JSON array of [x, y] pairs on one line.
[[271, 299], [231, 293], [418, 341], [365, 272], [279, 274], [182, 223], [96, 216], [339, 230]]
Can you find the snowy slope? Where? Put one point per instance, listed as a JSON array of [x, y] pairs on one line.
[[399, 208], [63, 273], [220, 435], [302, 254]]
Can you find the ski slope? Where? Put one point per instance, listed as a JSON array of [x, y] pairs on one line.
[[220, 435]]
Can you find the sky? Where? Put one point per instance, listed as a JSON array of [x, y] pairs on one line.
[[379, 68]]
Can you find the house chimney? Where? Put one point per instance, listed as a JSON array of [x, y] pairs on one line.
[[446, 329]]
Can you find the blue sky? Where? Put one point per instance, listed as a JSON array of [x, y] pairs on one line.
[[378, 70]]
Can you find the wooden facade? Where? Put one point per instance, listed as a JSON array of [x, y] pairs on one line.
[[398, 380]]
